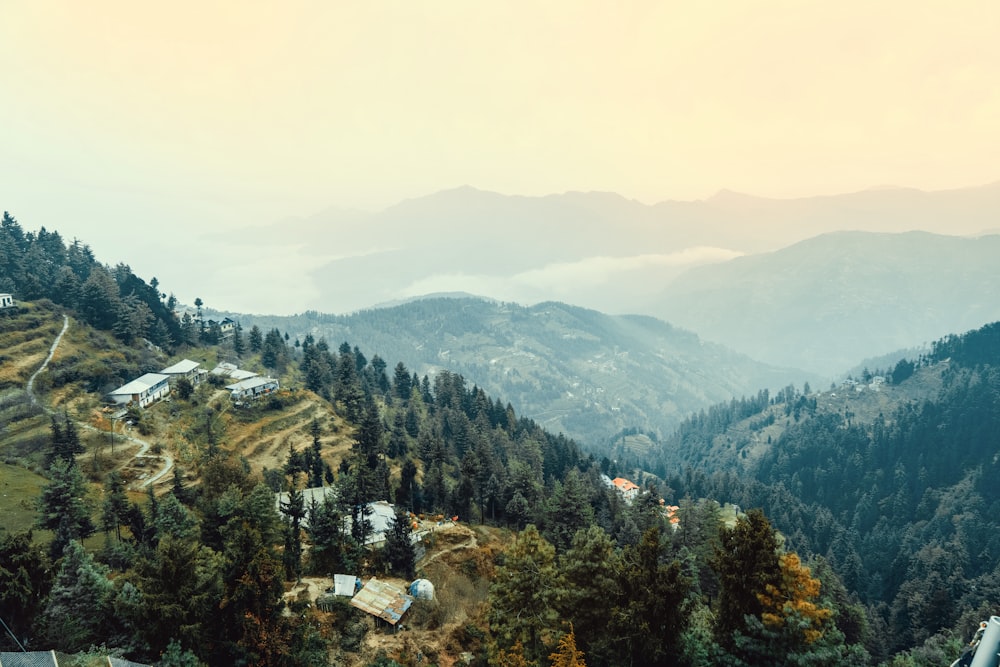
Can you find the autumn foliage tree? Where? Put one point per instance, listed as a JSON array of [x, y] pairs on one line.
[[794, 595], [567, 655]]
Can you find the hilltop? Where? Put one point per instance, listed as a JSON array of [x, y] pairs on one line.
[[575, 371]]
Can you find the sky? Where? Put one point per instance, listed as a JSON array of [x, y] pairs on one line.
[[143, 126]]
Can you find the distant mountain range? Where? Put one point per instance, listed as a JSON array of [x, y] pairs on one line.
[[596, 250], [828, 302], [572, 370]]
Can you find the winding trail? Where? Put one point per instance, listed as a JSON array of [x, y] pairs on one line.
[[469, 543], [52, 351], [168, 461]]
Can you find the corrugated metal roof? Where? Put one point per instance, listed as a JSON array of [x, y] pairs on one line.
[[251, 383], [382, 517], [29, 659], [383, 600], [183, 366], [140, 384]]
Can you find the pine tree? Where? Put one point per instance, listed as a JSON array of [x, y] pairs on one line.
[[590, 582], [181, 587], [328, 551], [794, 595], [402, 383], [294, 510], [523, 595], [115, 508], [63, 506], [567, 655], [256, 339], [398, 549], [25, 580], [80, 602], [746, 562]]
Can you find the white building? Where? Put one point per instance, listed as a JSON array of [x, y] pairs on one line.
[[6, 301], [252, 388], [226, 369], [184, 369], [142, 391], [382, 516]]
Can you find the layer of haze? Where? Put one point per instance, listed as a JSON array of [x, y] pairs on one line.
[[147, 129]]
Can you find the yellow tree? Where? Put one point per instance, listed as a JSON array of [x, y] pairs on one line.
[[794, 596], [512, 658], [567, 655]]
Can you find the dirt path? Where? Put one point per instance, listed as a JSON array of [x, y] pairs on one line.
[[469, 543], [168, 461], [52, 351]]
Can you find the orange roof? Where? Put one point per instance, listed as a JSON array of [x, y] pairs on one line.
[[624, 485]]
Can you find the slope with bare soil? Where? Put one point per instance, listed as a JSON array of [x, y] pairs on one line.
[[460, 562]]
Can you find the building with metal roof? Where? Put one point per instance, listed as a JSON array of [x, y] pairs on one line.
[[251, 388], [143, 390], [56, 659], [382, 600]]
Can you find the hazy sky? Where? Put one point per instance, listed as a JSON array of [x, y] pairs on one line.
[[140, 121]]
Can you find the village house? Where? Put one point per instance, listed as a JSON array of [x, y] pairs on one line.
[[314, 494], [142, 391], [628, 489], [252, 388], [6, 301], [226, 369], [184, 369], [227, 327], [382, 517]]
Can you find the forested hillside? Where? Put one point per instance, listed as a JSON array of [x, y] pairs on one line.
[[197, 569], [37, 265], [902, 503], [575, 371], [881, 549]]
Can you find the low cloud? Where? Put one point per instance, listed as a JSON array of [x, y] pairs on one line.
[[564, 279], [594, 271]]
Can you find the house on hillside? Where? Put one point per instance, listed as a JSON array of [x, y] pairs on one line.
[[6, 301], [184, 369], [315, 494], [227, 327], [251, 388], [670, 512], [226, 369], [382, 516], [142, 391], [628, 489]]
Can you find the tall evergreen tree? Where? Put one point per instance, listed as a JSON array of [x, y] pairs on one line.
[[79, 606], [523, 595], [63, 506], [398, 549], [25, 580], [746, 562], [256, 339], [114, 511], [294, 511]]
